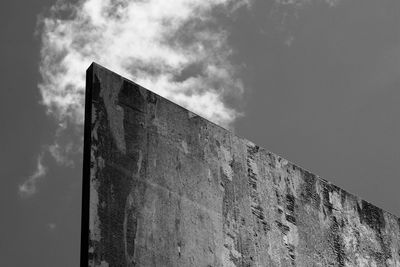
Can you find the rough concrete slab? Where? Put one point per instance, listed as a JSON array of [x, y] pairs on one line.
[[165, 187]]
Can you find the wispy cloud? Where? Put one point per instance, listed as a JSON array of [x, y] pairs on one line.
[[176, 48], [154, 42], [66, 144], [29, 187]]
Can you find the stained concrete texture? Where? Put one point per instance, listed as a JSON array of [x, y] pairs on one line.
[[165, 187]]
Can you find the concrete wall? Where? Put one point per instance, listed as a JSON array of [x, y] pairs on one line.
[[165, 187]]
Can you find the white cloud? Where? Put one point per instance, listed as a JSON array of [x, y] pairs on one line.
[[61, 153], [151, 42], [66, 145], [28, 188]]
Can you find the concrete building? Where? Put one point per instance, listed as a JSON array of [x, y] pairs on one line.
[[165, 187]]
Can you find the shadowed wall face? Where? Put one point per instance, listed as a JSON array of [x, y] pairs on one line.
[[165, 187]]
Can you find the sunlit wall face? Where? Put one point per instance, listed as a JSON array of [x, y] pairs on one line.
[[172, 188]]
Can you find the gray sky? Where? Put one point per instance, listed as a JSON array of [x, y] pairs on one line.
[[321, 88]]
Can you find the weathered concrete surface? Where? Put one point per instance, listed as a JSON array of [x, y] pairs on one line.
[[169, 188]]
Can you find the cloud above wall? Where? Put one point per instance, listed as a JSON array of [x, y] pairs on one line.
[[174, 48], [155, 42], [177, 49]]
